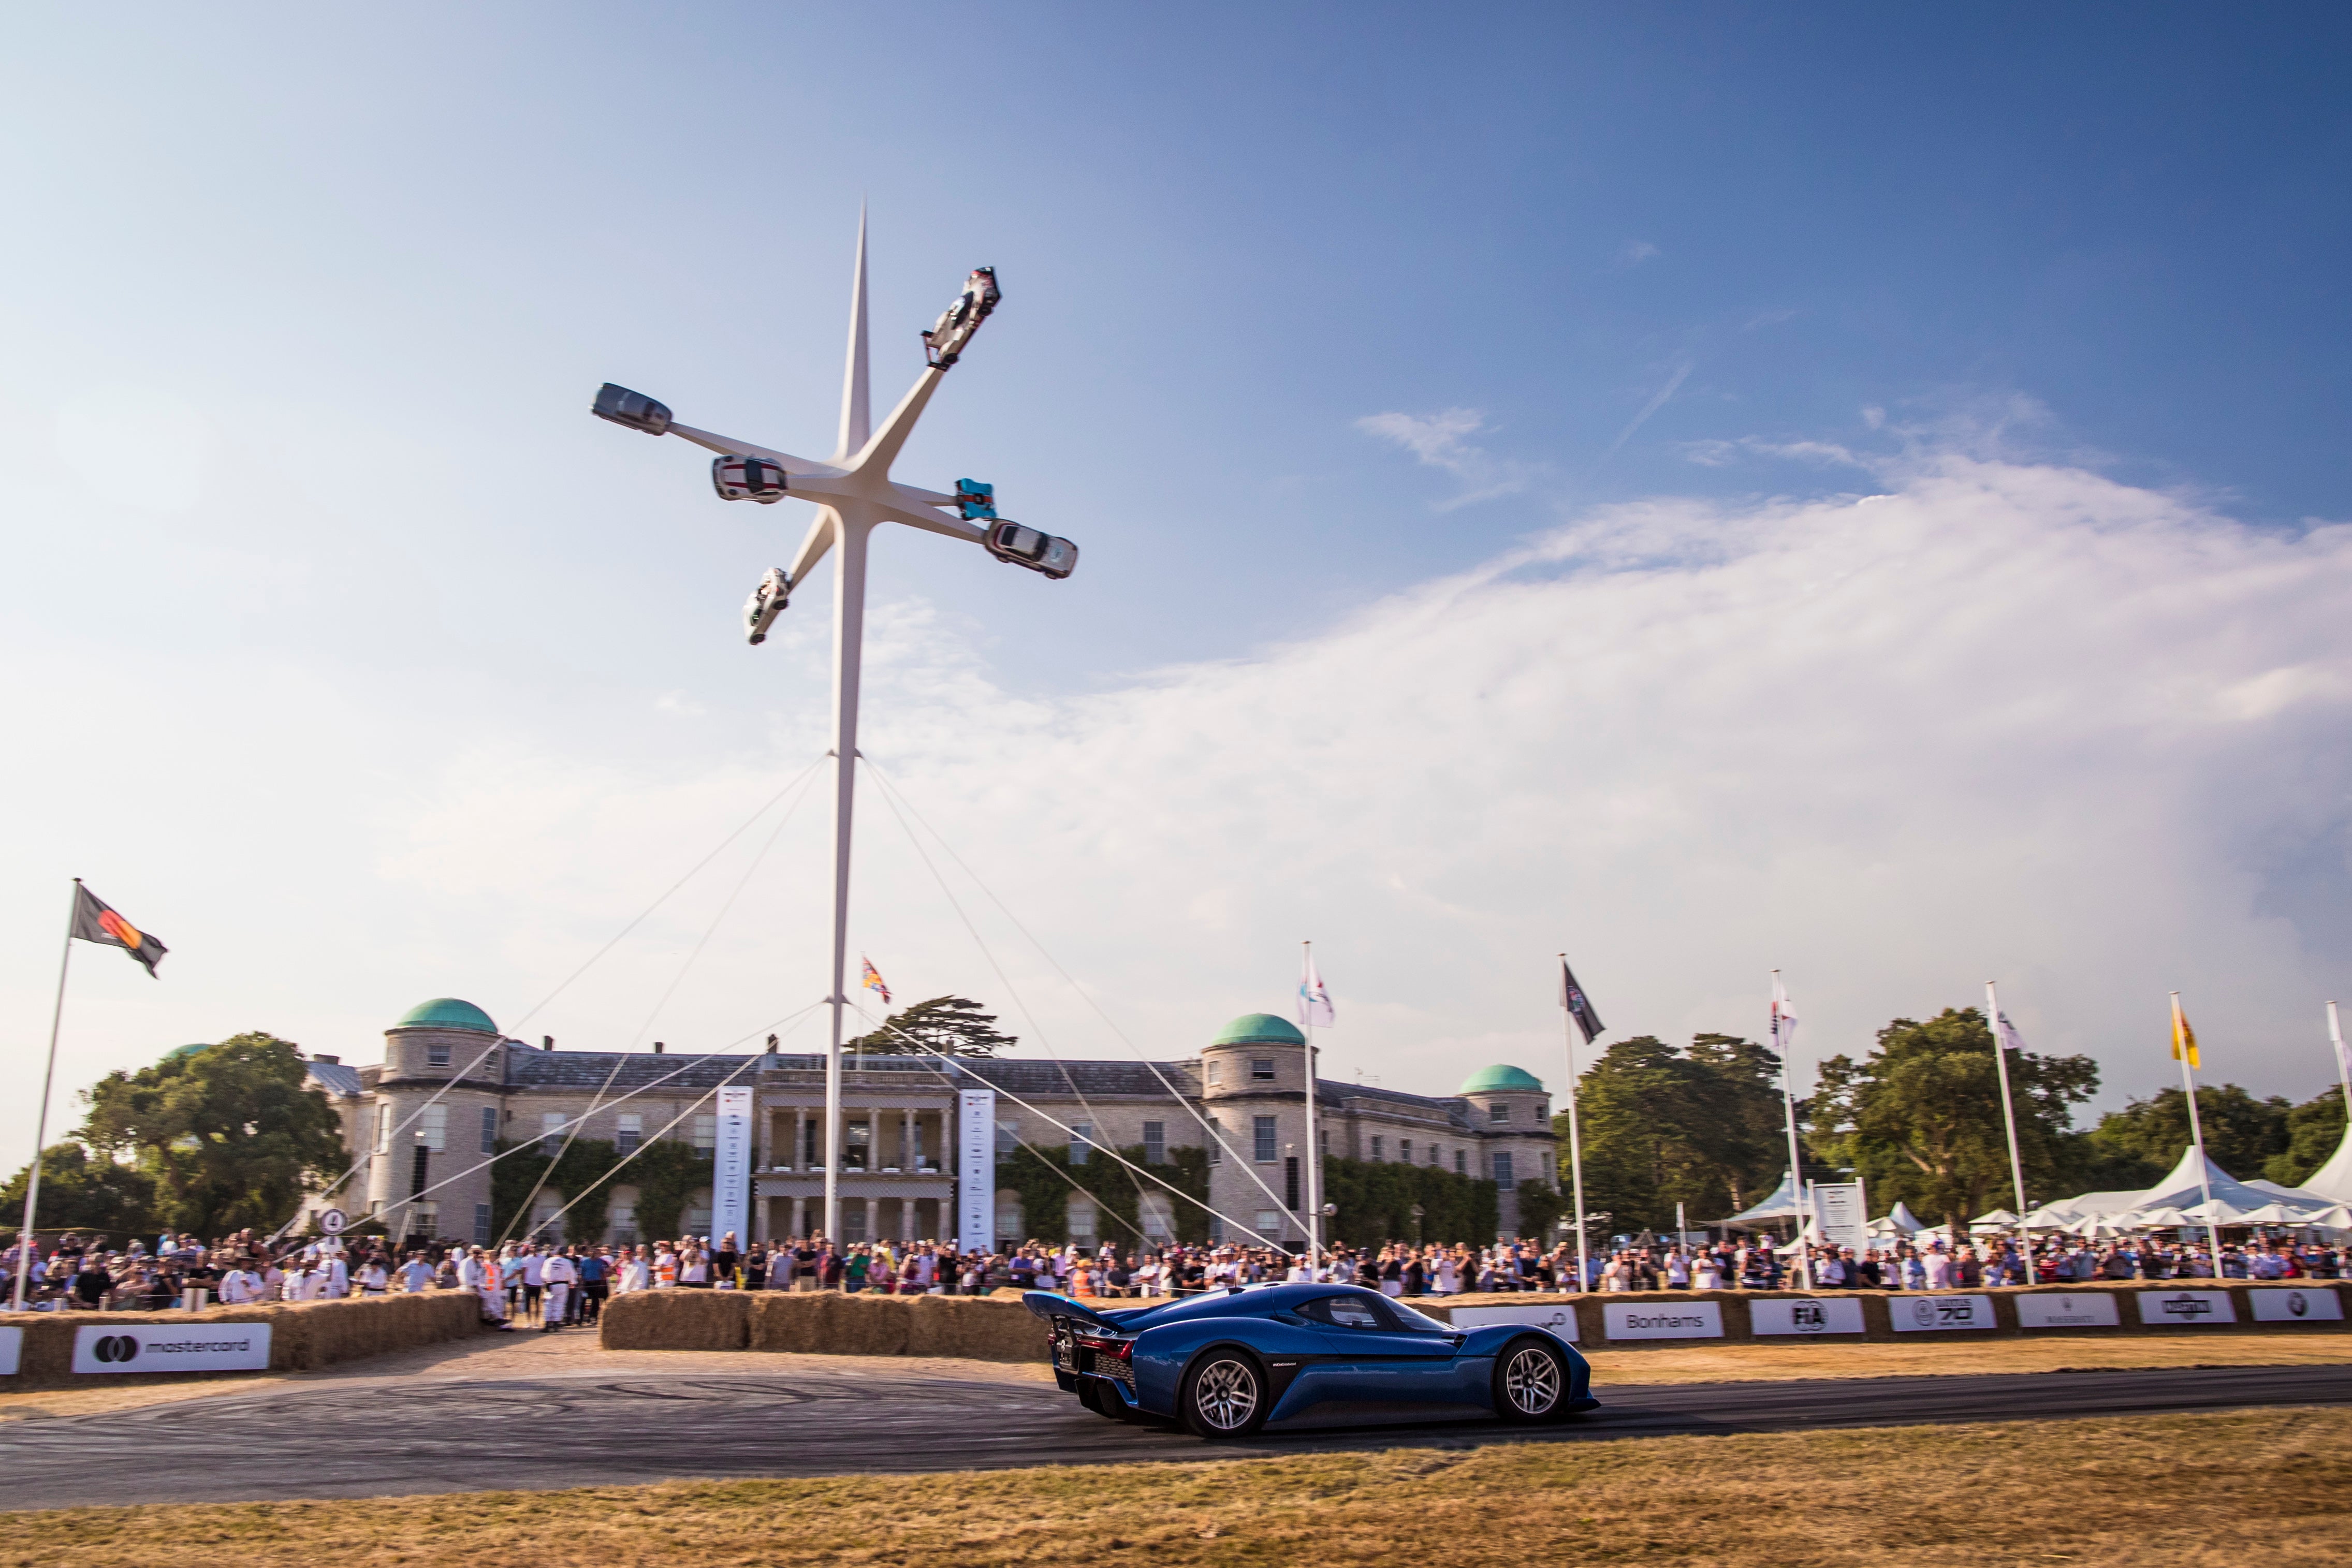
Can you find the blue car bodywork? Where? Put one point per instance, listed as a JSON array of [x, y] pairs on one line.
[[1329, 1355]]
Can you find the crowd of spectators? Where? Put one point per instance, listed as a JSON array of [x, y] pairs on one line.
[[550, 1285]]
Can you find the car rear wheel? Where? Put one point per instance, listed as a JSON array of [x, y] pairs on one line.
[[1224, 1394], [1530, 1381]]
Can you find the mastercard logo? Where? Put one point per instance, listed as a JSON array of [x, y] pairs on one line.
[[121, 930]]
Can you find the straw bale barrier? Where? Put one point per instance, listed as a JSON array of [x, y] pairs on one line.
[[303, 1335], [997, 1328]]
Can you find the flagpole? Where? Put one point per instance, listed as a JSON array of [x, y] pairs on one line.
[[1796, 1164], [2197, 1135], [2009, 1119], [1314, 1149], [2343, 1061], [41, 1117], [1575, 1135]]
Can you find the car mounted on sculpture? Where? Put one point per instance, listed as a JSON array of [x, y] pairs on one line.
[[768, 600], [1017, 544], [1231, 1361], [943, 344]]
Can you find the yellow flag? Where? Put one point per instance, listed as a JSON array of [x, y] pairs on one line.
[[2184, 1039]]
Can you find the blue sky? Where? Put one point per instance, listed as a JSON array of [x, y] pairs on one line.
[[1307, 310]]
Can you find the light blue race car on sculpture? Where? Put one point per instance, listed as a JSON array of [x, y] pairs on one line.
[[1229, 1361]]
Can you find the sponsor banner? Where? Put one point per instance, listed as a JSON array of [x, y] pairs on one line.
[[172, 1347], [2175, 1308], [976, 1169], [12, 1351], [2068, 1310], [1837, 1210], [1834, 1314], [730, 1167], [1926, 1314], [1560, 1319], [1681, 1320], [2298, 1304]]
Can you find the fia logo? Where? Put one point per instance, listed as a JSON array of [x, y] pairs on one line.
[[115, 1347], [1808, 1317]]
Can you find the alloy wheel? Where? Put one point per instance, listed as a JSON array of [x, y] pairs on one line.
[[1531, 1381], [1226, 1394]]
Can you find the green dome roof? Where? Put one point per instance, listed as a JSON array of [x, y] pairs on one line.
[[1499, 1078], [1259, 1028], [177, 1052], [446, 1012]]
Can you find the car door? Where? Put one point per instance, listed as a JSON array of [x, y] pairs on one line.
[[1384, 1358]]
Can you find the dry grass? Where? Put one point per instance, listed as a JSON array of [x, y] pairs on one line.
[[1856, 1358], [2182, 1490]]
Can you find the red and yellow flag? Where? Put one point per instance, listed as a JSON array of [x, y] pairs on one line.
[[2184, 1039], [873, 978], [95, 921]]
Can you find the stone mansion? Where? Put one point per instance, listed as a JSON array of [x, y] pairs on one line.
[[1248, 1083]]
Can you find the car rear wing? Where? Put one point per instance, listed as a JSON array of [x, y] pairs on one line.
[[1049, 1305]]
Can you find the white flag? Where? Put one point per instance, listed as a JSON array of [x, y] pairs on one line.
[[1314, 1001], [1784, 1019], [2005, 1033]]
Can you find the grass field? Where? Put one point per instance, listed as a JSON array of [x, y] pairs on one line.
[[2180, 1490]]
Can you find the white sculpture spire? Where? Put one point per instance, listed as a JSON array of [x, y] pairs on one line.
[[857, 414]]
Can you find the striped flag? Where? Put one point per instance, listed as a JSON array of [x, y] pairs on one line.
[[2184, 1039]]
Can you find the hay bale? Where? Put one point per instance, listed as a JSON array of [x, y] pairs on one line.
[[302, 1334], [976, 1329], [677, 1319], [784, 1319]]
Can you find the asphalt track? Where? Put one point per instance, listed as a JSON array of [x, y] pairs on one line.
[[387, 1437]]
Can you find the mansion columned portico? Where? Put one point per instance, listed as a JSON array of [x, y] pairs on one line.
[[900, 1116]]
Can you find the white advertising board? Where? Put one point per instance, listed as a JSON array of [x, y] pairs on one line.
[[1560, 1319], [1834, 1314], [2297, 1304], [976, 1169], [172, 1347], [2177, 1308], [2068, 1310], [1682, 1320], [730, 1167], [1837, 1209], [1925, 1314], [12, 1351]]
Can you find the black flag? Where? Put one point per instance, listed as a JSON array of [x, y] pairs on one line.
[[1578, 1005], [94, 921]]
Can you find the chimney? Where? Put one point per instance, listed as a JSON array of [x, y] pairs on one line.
[[658, 1047], [547, 1042], [338, 1061]]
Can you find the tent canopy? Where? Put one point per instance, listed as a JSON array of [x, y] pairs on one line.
[[2181, 1188], [1780, 1203], [2332, 1183]]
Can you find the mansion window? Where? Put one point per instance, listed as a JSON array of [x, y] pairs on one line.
[[490, 1129], [1081, 1140], [1405, 1150], [436, 1056], [1498, 1112], [1266, 1130], [628, 1131], [1461, 1161], [706, 1136], [1379, 1147], [1155, 1143], [1262, 1070], [1503, 1172]]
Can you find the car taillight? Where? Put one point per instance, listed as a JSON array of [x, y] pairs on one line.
[[1122, 1348]]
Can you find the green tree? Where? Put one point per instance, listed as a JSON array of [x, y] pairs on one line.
[[1919, 1119], [1540, 1209], [577, 1175], [1701, 1126], [84, 1192], [2147, 1137], [953, 1026], [2314, 1130], [231, 1136], [1375, 1199]]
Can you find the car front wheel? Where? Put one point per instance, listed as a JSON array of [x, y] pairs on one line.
[[1530, 1381], [1226, 1394]]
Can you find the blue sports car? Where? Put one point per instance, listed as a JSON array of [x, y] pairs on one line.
[[1227, 1363]]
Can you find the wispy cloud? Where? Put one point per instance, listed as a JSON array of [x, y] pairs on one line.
[[1724, 454], [1673, 385], [1441, 440], [1636, 252]]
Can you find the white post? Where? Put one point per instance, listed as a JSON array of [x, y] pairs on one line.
[[1796, 1164], [41, 1116], [1314, 1162], [1575, 1139], [2343, 1062], [2197, 1136], [2009, 1120]]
